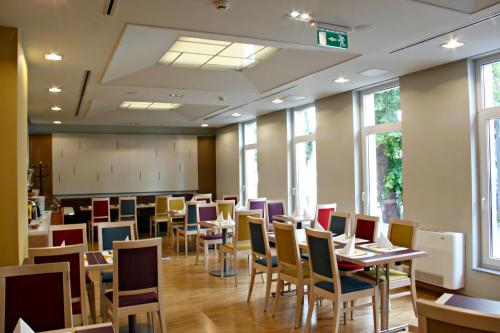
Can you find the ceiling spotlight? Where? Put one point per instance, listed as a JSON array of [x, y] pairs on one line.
[[313, 23], [294, 14], [341, 80], [56, 108], [55, 89], [452, 44], [305, 16], [204, 125], [53, 56], [176, 95], [56, 122], [236, 114], [277, 101]]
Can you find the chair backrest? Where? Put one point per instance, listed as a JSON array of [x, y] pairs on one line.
[[439, 318], [322, 261], [242, 230], [190, 218], [207, 197], [161, 205], [258, 203], [338, 223], [226, 207], [127, 209], [233, 197], [323, 214], [366, 227], [114, 231], [70, 234], [73, 254], [403, 233], [206, 212], [176, 203], [137, 268], [273, 208], [258, 237], [287, 248], [100, 211], [40, 294]]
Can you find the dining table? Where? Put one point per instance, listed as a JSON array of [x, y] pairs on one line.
[[298, 220], [95, 328], [224, 227]]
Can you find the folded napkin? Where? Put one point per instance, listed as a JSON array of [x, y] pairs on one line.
[[384, 242], [340, 238], [22, 327], [348, 249], [230, 220], [127, 239], [294, 213], [63, 244], [220, 218], [306, 214]]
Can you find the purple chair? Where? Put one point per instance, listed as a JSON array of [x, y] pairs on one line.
[[205, 236], [274, 208], [258, 203]]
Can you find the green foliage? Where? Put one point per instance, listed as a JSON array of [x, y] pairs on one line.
[[496, 82], [387, 106]]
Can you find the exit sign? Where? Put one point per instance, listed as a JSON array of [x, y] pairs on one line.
[[330, 38]]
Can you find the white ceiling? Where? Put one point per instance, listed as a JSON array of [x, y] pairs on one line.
[[122, 51]]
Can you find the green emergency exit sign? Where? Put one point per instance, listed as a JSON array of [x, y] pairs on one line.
[[332, 39]]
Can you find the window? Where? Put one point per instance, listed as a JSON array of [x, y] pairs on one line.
[[249, 158], [488, 72], [382, 152], [304, 155]]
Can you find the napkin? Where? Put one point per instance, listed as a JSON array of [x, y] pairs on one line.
[[22, 327], [348, 249], [63, 244], [220, 218], [306, 214], [340, 238], [384, 242], [127, 239], [230, 220], [294, 213]]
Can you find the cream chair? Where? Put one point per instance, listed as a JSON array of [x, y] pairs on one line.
[[178, 205], [161, 214]]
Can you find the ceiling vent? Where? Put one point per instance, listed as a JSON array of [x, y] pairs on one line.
[[109, 7], [85, 82]]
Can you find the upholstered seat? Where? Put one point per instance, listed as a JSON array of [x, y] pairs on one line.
[[348, 285], [131, 300], [393, 275], [240, 246], [189, 227], [346, 266], [293, 272], [263, 261], [107, 277], [211, 237]]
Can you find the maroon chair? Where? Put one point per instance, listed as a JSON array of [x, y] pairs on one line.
[[206, 237], [39, 294], [259, 203], [100, 213], [274, 208]]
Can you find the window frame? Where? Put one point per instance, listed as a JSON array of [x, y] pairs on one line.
[[244, 148]]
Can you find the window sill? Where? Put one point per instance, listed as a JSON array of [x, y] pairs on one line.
[[486, 270]]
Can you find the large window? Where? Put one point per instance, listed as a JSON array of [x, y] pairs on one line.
[[249, 158], [488, 72], [304, 154], [382, 152]]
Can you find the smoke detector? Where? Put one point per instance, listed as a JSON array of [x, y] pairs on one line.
[[221, 4]]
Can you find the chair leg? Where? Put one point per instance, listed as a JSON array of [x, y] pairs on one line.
[[163, 323], [185, 244], [336, 316], [279, 289], [413, 289], [222, 254], [310, 311], [102, 289], [345, 313], [136, 229], [116, 321], [205, 256], [250, 285], [235, 268], [383, 299], [353, 303], [197, 250], [150, 227], [177, 242], [91, 295], [269, 281], [299, 305]]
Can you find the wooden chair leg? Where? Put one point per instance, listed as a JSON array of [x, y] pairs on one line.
[[353, 303], [299, 305], [336, 316], [163, 323], [197, 250], [250, 285], [205, 255], [413, 289], [345, 313], [269, 281], [91, 295], [150, 227], [376, 306], [310, 311], [279, 289], [185, 244], [235, 268]]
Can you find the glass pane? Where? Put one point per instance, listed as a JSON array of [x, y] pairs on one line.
[[491, 84], [305, 121], [251, 174], [494, 158], [382, 107], [250, 133], [305, 183], [385, 181]]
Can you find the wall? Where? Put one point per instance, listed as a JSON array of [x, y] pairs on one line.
[[227, 160], [206, 165], [40, 150], [272, 156], [13, 135]]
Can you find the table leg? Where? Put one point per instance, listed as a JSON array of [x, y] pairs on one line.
[[227, 272], [385, 307], [132, 323]]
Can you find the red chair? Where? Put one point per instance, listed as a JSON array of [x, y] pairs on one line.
[[100, 213], [323, 214], [74, 255], [39, 294]]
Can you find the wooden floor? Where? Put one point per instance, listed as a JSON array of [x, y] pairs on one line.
[[198, 302]]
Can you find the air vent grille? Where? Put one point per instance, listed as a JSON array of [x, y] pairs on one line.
[[430, 278], [85, 82], [109, 7]]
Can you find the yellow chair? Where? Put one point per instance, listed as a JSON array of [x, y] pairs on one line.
[[161, 213], [290, 267], [226, 207], [175, 204]]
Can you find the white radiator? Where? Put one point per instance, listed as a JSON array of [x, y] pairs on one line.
[[444, 264]]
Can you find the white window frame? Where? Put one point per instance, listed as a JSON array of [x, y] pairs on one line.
[[484, 115], [366, 131], [244, 148]]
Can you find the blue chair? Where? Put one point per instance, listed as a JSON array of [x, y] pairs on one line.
[[338, 223], [190, 227], [127, 211], [326, 282]]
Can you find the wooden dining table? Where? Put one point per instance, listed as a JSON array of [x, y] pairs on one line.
[[96, 328], [223, 227], [376, 259]]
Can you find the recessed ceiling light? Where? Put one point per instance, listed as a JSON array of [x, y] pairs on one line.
[[277, 101], [341, 80], [374, 72], [294, 98], [452, 44], [53, 56], [149, 105], [57, 122], [236, 114], [56, 108], [55, 89], [300, 16], [204, 125], [305, 16], [294, 14], [176, 95]]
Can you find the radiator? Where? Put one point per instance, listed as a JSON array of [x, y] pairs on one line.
[[444, 264]]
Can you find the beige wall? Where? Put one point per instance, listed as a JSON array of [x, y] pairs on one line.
[[13, 163], [227, 160], [272, 156]]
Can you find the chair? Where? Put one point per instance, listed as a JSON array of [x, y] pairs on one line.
[[233, 197], [107, 234], [274, 208], [204, 237], [440, 318], [127, 211], [365, 227], [258, 203], [262, 260], [241, 241], [226, 207], [138, 282], [203, 197], [40, 294], [290, 267], [175, 204], [161, 214], [323, 214], [338, 223], [100, 212], [325, 281], [401, 233], [74, 255], [73, 234], [190, 227]]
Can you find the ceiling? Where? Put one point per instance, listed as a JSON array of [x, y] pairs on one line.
[[121, 53]]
